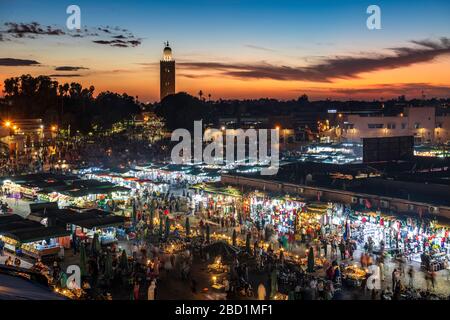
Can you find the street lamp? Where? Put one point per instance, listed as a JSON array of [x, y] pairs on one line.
[[7, 123]]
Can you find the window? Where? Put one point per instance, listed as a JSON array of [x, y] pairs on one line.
[[375, 125], [417, 125], [403, 125], [391, 125]]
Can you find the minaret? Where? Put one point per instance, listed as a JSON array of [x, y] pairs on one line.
[[167, 73]]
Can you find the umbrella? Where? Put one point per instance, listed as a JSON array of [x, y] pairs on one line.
[[124, 261], [234, 237], [166, 234], [311, 260], [188, 227], [108, 266], [247, 242], [82, 260]]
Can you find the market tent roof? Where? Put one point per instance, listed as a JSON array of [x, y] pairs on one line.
[[75, 193], [5, 219], [42, 180], [90, 183], [24, 230], [176, 167], [15, 222], [102, 222], [218, 188], [36, 234], [37, 206], [119, 170], [88, 219]]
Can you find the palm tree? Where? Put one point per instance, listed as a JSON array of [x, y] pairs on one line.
[[209, 97], [200, 94], [62, 90]]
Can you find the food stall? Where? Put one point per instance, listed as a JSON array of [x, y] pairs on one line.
[[353, 275], [31, 238], [281, 212]]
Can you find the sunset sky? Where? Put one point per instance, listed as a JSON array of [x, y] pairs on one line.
[[234, 49]]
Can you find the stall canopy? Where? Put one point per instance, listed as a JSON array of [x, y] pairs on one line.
[[42, 180], [88, 219], [38, 206], [24, 230], [36, 234], [82, 192]]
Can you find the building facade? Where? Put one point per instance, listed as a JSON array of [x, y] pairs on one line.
[[426, 124], [167, 73]]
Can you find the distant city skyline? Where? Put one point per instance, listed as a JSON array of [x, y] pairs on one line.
[[234, 49]]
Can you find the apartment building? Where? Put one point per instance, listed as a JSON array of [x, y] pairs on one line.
[[426, 124]]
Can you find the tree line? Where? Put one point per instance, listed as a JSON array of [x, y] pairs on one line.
[[65, 104]]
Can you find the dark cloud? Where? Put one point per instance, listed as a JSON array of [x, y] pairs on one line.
[[191, 76], [119, 43], [70, 68], [343, 67], [65, 75], [30, 30], [398, 89], [107, 35], [104, 30], [381, 90], [12, 62]]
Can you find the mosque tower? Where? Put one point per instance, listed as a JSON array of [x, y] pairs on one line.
[[167, 72]]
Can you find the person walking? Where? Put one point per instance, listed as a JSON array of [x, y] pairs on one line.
[[151, 290], [2, 248], [342, 249], [447, 268], [136, 290], [394, 278], [325, 247], [261, 292], [411, 277]]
